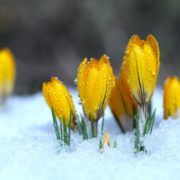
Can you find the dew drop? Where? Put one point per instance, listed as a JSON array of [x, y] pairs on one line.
[[75, 81], [153, 73], [96, 108]]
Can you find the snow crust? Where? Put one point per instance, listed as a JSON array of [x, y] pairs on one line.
[[29, 150]]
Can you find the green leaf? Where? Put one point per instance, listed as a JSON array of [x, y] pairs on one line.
[[109, 144], [84, 128], [101, 144], [61, 130], [65, 132], [79, 125], [69, 128], [55, 125], [152, 121], [146, 127], [149, 123]]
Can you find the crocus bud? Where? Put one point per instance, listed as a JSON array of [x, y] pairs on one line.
[[59, 99], [95, 81], [7, 73], [172, 98], [141, 66]]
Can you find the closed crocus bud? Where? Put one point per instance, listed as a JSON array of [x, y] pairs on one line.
[[59, 100], [140, 71], [172, 98], [95, 81], [122, 105], [7, 73], [141, 66]]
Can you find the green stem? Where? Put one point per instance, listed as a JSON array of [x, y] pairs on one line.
[[102, 126], [69, 128], [139, 131], [84, 129], [102, 134], [61, 130], [141, 127], [94, 129]]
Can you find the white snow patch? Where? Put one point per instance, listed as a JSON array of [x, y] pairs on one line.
[[29, 150]]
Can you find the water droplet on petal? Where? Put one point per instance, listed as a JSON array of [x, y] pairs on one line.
[[153, 73], [75, 81]]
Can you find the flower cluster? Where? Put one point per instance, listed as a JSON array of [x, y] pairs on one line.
[[95, 80], [128, 95]]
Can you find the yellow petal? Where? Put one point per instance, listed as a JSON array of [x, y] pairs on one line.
[[141, 66], [59, 99], [121, 101], [116, 102], [95, 80], [171, 97], [81, 77], [7, 72]]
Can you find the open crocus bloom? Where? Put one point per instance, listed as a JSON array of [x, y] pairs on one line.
[[95, 80], [59, 99], [7, 73], [172, 97], [141, 66]]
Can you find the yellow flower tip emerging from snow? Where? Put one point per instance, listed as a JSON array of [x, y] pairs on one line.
[[95, 80], [106, 139], [59, 99], [172, 97], [7, 73], [141, 66]]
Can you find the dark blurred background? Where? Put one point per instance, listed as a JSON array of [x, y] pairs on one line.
[[51, 37]]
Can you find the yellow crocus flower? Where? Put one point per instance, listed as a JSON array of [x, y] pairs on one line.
[[141, 66], [122, 105], [95, 81], [59, 99], [171, 97], [7, 73]]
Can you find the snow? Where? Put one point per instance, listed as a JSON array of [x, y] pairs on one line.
[[29, 150]]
